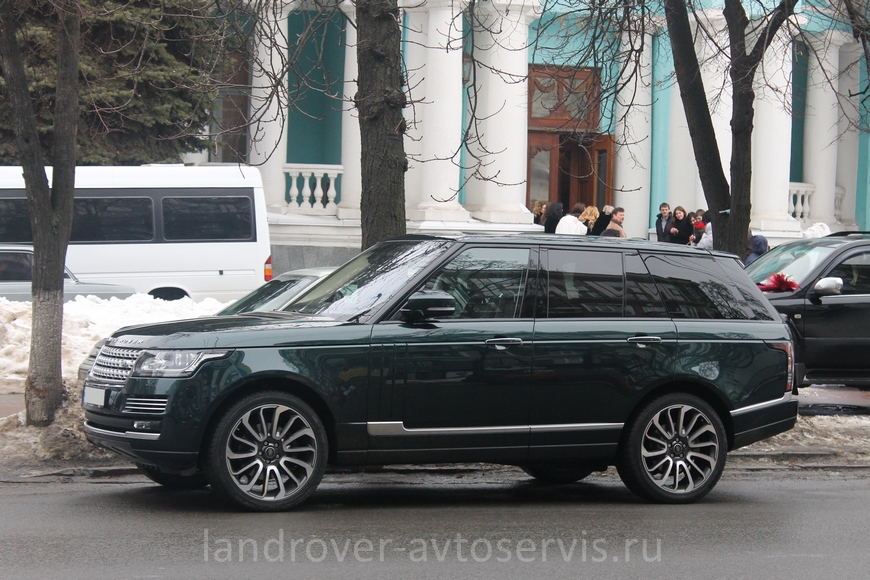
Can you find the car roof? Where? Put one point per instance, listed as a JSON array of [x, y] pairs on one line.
[[568, 241]]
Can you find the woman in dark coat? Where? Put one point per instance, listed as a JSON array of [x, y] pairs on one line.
[[681, 227], [552, 216], [602, 222]]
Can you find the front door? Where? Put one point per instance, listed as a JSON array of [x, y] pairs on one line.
[[837, 328], [463, 381]]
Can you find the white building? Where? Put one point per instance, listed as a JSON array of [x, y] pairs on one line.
[[549, 140]]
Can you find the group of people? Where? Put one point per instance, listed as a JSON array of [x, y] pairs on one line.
[[581, 221], [687, 229]]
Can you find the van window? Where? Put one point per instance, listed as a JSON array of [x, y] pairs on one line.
[[15, 221], [208, 218], [584, 284], [114, 219]]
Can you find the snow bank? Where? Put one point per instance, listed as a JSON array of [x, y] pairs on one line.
[[86, 320]]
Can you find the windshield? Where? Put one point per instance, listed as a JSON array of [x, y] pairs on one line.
[[795, 260], [269, 296], [369, 280]]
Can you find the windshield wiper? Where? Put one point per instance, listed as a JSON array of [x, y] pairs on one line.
[[356, 317]]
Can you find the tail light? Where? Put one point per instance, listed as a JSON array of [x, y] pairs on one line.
[[787, 347], [267, 269]]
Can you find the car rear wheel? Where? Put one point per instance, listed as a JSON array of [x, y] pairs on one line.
[[556, 474], [171, 480], [268, 452], [674, 451]]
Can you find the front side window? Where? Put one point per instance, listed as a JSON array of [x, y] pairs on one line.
[[369, 280], [584, 284], [16, 267], [855, 272], [485, 282], [208, 218]]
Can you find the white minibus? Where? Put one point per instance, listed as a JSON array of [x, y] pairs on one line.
[[166, 230]]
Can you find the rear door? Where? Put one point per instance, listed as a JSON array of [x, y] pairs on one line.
[[602, 338]]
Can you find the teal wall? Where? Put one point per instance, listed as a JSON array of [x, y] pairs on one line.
[[862, 194], [314, 119], [800, 61], [662, 87]]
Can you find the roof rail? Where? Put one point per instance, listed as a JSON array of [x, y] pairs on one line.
[[846, 233]]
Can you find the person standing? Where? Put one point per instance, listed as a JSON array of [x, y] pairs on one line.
[[680, 227], [614, 228], [552, 216], [570, 224], [662, 220], [588, 217], [603, 221]]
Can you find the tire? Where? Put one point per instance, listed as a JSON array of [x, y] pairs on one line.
[[250, 460], [557, 474], [661, 462], [171, 480]]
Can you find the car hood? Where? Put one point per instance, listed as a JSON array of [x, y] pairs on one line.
[[257, 329]]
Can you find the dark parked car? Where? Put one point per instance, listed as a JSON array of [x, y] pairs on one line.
[[828, 311], [560, 355]]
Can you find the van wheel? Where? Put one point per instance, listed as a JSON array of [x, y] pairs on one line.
[[268, 452], [172, 480], [168, 294], [674, 451], [556, 474]]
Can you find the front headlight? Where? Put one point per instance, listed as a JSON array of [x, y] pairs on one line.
[[173, 363]]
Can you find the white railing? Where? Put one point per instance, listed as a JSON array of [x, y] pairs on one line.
[[799, 197], [839, 197], [312, 188]]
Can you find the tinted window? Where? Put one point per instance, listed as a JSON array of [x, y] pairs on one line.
[[696, 287], [485, 282], [642, 298], [15, 221], [855, 272], [583, 284], [752, 302], [15, 266], [208, 218], [113, 220]]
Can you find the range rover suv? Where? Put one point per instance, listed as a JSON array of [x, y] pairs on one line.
[[826, 304], [562, 355]]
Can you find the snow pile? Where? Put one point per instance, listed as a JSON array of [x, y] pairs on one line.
[[86, 320]]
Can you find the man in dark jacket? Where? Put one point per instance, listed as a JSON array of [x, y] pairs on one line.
[[662, 220]]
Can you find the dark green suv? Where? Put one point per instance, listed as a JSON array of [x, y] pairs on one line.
[[562, 355]]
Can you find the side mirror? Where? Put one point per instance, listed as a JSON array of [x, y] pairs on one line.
[[428, 304], [828, 286]]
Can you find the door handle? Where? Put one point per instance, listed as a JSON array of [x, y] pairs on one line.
[[642, 341], [503, 343]]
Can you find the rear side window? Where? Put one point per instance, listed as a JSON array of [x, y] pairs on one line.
[[697, 287], [116, 219], [754, 303], [208, 218], [584, 284]]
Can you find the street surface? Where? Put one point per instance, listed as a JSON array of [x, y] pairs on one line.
[[460, 522]]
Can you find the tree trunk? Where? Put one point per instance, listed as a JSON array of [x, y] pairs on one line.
[[380, 101], [51, 209]]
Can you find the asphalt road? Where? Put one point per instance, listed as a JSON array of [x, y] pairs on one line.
[[446, 524]]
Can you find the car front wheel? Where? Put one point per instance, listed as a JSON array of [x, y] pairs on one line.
[[674, 451], [268, 452]]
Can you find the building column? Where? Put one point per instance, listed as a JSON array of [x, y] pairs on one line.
[[847, 144], [771, 136], [633, 154], [820, 130], [351, 141], [269, 135], [434, 64], [498, 192]]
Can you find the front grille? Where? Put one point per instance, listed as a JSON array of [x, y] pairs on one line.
[[142, 405], [115, 364]]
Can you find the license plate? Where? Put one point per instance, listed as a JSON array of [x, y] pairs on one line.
[[94, 397]]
